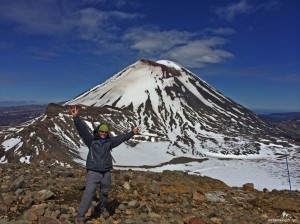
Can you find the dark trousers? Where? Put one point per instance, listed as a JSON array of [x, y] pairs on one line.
[[93, 179]]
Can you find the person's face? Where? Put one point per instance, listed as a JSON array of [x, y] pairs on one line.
[[102, 134]]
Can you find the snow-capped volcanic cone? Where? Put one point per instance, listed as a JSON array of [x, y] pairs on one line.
[[169, 100], [178, 113]]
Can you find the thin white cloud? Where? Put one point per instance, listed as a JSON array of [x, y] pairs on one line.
[[183, 47], [219, 31], [268, 72], [271, 5], [288, 78], [44, 54], [200, 53], [54, 17], [230, 11], [244, 7], [153, 41], [93, 24], [92, 1], [42, 17]]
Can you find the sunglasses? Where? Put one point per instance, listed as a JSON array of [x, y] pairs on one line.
[[103, 132]]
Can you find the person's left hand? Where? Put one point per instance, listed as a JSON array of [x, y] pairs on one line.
[[135, 130], [74, 111]]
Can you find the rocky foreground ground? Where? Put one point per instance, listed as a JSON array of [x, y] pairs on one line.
[[50, 195]]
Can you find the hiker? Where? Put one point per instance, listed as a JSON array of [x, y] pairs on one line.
[[98, 164]]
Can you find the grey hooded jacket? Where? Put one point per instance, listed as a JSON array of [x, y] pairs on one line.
[[99, 158]]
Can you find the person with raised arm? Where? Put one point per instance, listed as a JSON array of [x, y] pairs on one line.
[[98, 164]]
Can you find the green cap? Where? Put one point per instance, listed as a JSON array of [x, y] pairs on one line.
[[103, 127]]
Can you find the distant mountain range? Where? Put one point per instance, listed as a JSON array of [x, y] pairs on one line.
[[13, 103], [172, 107], [15, 115], [280, 117]]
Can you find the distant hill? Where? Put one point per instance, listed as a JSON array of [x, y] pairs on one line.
[[14, 115], [288, 122], [15, 103], [280, 117]]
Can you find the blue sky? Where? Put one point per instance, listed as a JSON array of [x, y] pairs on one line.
[[53, 50]]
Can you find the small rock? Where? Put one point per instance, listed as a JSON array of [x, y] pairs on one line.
[[248, 187], [122, 207], [264, 216], [154, 216], [145, 209], [154, 187], [198, 196], [216, 196], [126, 185], [124, 177], [196, 220], [133, 204], [14, 209], [48, 220], [27, 199], [18, 183], [216, 220], [43, 195], [265, 190], [30, 216]]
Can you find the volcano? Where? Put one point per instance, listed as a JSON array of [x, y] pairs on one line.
[[178, 113]]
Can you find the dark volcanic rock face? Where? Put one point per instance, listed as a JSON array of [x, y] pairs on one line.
[[49, 194]]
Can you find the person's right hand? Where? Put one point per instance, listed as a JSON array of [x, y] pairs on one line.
[[74, 111], [135, 130]]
